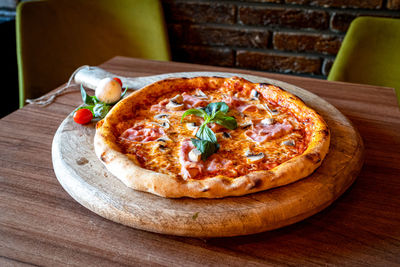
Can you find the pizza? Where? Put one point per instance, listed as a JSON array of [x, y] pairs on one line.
[[210, 137]]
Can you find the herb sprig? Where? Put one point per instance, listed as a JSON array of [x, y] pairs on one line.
[[213, 113], [99, 109]]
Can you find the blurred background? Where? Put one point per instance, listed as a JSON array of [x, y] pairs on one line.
[[297, 37]]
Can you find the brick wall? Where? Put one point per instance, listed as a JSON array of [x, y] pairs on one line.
[[286, 36]]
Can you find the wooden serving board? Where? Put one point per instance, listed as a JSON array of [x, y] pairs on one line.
[[85, 178]]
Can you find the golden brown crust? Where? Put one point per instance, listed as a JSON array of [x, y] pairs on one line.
[[127, 168]]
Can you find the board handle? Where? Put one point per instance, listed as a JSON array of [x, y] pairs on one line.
[[90, 76]]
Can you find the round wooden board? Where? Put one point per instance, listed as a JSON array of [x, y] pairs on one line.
[[85, 178]]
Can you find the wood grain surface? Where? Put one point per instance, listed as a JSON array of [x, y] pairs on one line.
[[40, 224], [85, 178]]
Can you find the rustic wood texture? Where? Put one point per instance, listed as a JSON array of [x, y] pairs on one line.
[[85, 178], [40, 224]]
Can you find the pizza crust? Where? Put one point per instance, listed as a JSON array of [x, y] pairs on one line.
[[128, 170]]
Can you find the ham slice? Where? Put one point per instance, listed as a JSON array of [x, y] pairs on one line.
[[219, 164], [189, 169], [247, 108], [189, 101], [160, 106], [140, 133], [262, 132], [240, 104], [234, 102], [193, 101]]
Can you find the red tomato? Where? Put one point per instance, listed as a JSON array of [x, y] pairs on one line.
[[83, 116], [118, 80]]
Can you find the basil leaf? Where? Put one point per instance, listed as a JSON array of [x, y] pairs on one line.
[[87, 99], [206, 133], [213, 108], [194, 111], [226, 121], [101, 110], [206, 148]]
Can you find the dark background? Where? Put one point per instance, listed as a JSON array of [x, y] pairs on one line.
[[9, 72], [297, 37]]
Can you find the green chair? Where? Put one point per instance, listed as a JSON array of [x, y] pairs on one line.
[[370, 54], [55, 37]]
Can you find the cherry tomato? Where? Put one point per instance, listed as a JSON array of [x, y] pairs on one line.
[[83, 116], [118, 80]]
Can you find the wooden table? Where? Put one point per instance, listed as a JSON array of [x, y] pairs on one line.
[[40, 224]]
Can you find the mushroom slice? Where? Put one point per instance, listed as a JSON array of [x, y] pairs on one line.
[[172, 105], [246, 124], [165, 125], [162, 147], [254, 95], [288, 143], [254, 158], [268, 121], [162, 142], [194, 155], [161, 117], [200, 94], [226, 135], [176, 103], [191, 126], [163, 139], [178, 99], [272, 111]]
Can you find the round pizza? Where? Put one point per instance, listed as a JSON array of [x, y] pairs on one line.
[[210, 137]]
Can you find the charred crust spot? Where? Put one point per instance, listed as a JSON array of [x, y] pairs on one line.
[[99, 124], [301, 100], [226, 181], [256, 183], [314, 157], [180, 179], [296, 98], [103, 157], [205, 189], [264, 84], [218, 77], [325, 132]]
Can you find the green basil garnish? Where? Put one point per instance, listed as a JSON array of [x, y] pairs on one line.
[[100, 110], [212, 113], [206, 148], [194, 111], [205, 133], [226, 121], [213, 108], [87, 99]]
